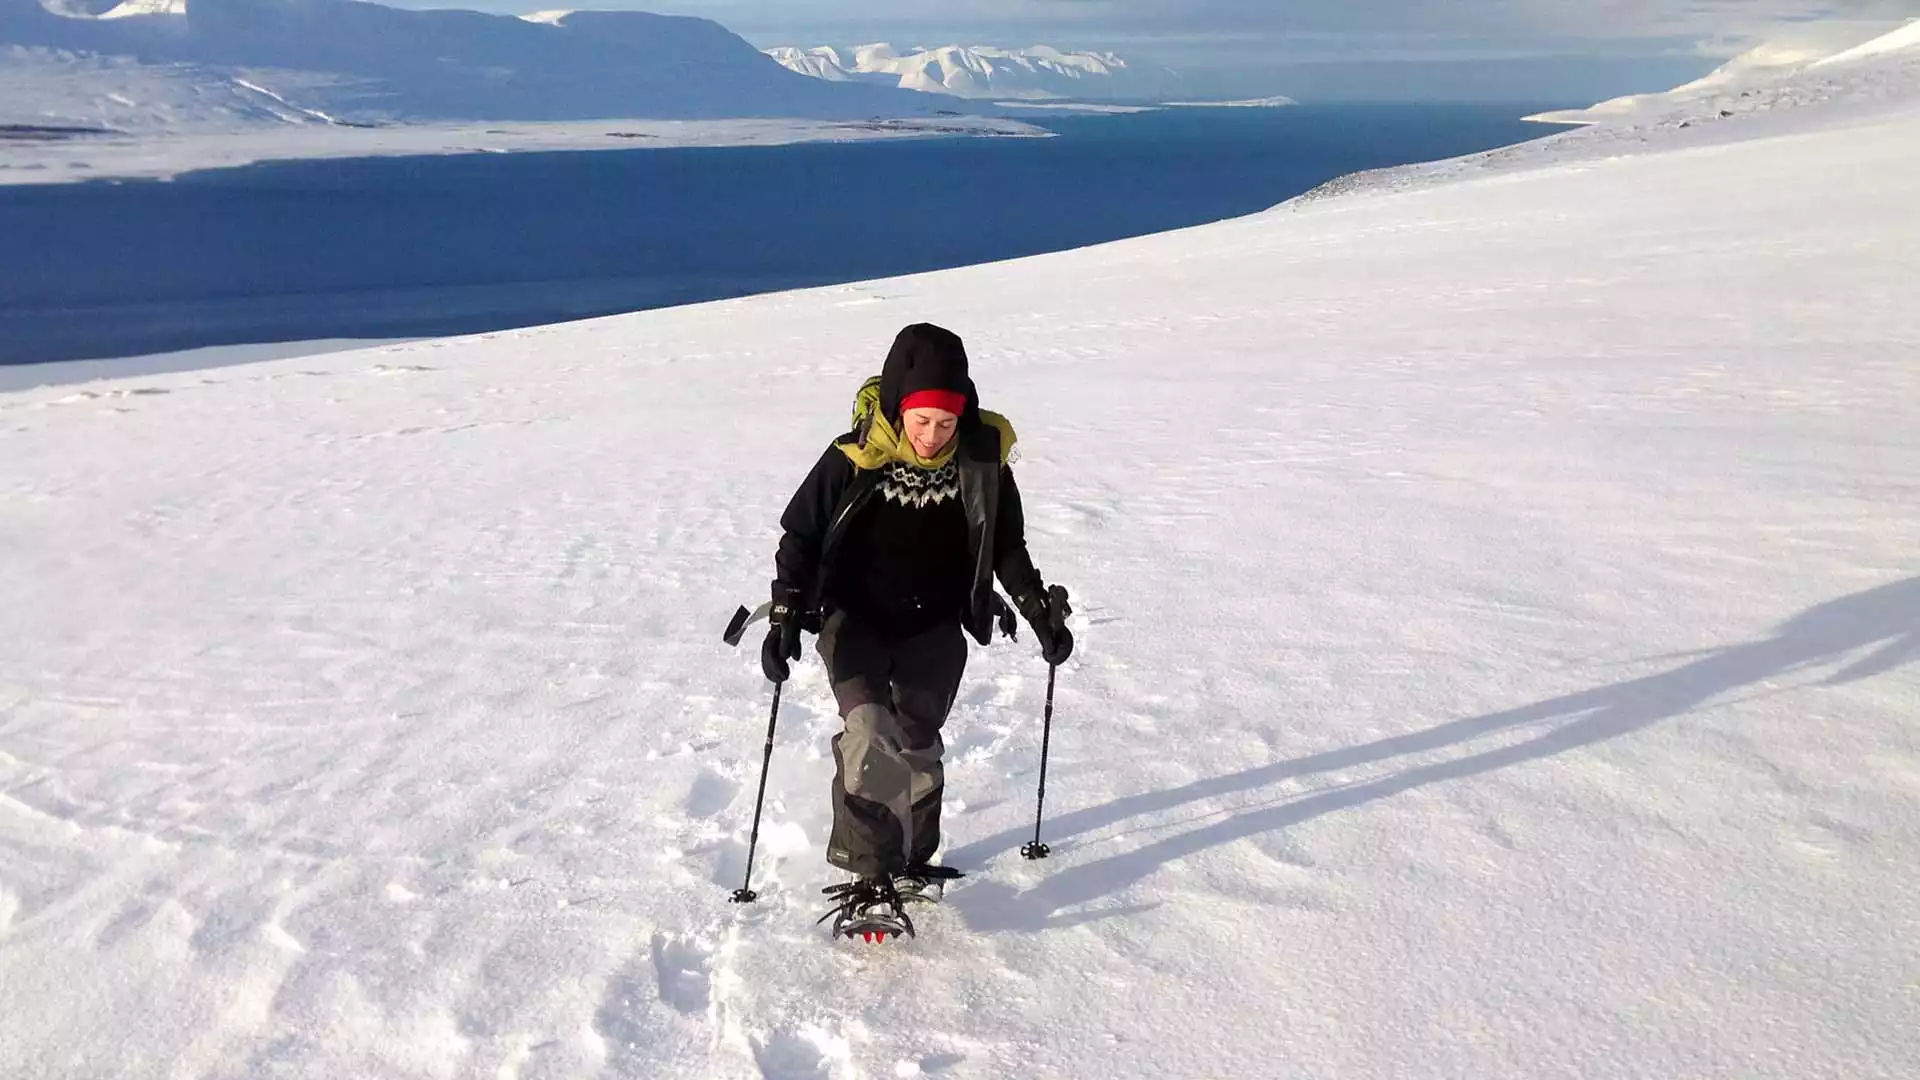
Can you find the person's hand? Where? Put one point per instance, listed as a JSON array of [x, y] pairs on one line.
[[783, 637], [1056, 645], [1047, 613]]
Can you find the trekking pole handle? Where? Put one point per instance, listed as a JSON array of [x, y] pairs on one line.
[[1057, 607]]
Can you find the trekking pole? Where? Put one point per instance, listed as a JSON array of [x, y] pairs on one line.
[[1036, 849], [1057, 611], [745, 894]]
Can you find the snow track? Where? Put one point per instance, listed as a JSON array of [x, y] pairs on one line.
[[1497, 618]]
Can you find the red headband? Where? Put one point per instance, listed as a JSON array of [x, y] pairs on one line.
[[945, 400]]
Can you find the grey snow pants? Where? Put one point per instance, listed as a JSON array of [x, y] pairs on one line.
[[893, 694]]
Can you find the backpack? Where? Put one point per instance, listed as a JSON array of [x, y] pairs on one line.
[[866, 402]]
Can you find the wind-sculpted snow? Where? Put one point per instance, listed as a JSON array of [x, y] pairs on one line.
[[1499, 639]]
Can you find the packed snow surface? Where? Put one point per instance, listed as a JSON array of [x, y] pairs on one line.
[[1498, 611]]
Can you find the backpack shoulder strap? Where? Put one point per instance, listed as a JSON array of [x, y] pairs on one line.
[[1003, 429], [866, 402]]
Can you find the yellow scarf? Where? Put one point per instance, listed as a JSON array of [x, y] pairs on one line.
[[885, 445]]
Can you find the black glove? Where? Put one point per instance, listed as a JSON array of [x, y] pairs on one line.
[[1002, 614], [1047, 613], [1056, 646], [783, 636]]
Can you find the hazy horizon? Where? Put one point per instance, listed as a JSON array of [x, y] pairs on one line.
[[1320, 50]]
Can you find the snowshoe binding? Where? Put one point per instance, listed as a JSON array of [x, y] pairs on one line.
[[871, 909], [924, 883]]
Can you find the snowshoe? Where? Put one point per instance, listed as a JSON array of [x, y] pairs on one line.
[[924, 883], [871, 909]]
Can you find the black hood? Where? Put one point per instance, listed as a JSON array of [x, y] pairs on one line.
[[926, 357]]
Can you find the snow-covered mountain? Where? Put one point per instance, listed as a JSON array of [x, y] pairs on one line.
[[1902, 41], [983, 71], [113, 9], [1498, 618], [362, 62], [105, 91], [1816, 65]]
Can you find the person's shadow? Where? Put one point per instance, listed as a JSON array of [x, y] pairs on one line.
[[1885, 620]]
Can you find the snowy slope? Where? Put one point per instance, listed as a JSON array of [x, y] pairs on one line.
[[145, 7], [1774, 90], [823, 62], [1814, 68], [983, 71], [1899, 41], [119, 93], [1499, 625]]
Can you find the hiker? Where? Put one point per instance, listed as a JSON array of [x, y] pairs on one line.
[[889, 546]]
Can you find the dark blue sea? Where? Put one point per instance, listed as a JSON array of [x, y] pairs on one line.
[[402, 247]]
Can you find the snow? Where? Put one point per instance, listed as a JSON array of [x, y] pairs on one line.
[[1037, 72], [264, 92], [146, 7], [1277, 102], [820, 63], [64, 372], [1772, 77], [1907, 37], [1497, 610], [130, 98]]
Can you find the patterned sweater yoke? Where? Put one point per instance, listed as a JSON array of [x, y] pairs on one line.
[[915, 487]]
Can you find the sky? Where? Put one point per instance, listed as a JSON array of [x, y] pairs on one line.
[[1535, 50]]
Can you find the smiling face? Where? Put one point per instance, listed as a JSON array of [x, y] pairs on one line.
[[928, 431]]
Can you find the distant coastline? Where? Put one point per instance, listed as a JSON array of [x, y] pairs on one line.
[[46, 156], [1275, 102]]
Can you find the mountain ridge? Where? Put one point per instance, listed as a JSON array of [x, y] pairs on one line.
[[376, 64], [1034, 73]]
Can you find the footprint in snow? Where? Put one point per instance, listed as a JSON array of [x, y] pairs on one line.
[[805, 1053], [683, 968], [1000, 691], [712, 794]]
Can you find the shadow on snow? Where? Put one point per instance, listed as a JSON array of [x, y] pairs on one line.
[[1884, 619]]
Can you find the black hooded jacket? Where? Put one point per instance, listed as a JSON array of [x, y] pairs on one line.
[[835, 500]]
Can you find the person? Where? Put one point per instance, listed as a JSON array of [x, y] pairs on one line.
[[887, 550]]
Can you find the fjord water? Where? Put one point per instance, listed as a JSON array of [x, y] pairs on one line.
[[401, 247]]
